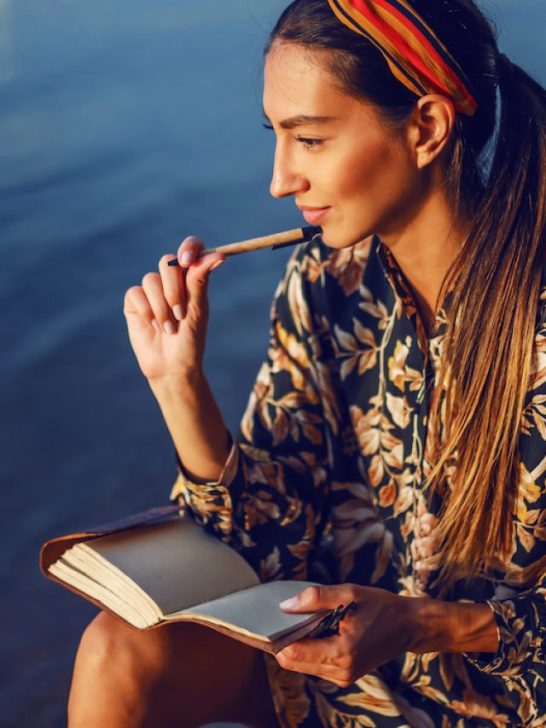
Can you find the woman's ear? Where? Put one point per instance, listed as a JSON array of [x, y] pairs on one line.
[[430, 128]]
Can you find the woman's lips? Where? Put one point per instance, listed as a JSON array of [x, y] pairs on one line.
[[314, 216]]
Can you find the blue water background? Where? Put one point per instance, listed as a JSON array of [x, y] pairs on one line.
[[124, 127]]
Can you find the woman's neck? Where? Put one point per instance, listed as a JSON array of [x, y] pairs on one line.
[[425, 249]]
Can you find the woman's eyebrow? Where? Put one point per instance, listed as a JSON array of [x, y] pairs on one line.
[[302, 119]]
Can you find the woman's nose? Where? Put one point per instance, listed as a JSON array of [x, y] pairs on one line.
[[285, 181]]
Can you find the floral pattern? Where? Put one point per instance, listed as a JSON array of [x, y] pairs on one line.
[[325, 481]]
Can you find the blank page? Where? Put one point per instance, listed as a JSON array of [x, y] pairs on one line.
[[176, 562], [256, 611]]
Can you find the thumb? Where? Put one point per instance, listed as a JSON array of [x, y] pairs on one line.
[[318, 597], [197, 279]]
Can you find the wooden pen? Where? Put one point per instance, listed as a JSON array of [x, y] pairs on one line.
[[277, 240]]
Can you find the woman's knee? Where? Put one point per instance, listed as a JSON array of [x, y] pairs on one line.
[[156, 672], [98, 641], [108, 644]]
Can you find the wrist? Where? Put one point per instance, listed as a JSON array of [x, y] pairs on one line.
[[177, 385], [431, 625], [438, 626]]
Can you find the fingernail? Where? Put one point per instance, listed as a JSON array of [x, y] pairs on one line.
[[156, 326], [289, 603], [217, 264], [186, 258], [168, 326], [177, 310]]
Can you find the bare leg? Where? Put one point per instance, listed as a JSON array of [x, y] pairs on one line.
[[176, 676]]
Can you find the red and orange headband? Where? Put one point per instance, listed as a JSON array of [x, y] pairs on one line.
[[414, 53]]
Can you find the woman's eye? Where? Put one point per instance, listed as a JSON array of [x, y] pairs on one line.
[[306, 141], [309, 143]]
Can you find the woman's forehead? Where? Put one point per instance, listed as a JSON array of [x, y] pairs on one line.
[[297, 81]]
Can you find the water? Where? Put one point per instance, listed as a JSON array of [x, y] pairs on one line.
[[123, 127]]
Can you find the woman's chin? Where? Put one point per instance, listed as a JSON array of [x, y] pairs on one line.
[[342, 239]]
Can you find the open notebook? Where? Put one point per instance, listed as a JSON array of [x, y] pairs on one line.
[[157, 567]]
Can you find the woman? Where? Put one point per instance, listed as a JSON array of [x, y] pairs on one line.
[[399, 415]]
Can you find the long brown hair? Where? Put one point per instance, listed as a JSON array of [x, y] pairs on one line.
[[497, 177]]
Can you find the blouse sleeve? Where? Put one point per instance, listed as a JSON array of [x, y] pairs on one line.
[[521, 619], [270, 501], [520, 660]]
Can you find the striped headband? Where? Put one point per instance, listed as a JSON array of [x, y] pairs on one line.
[[414, 53]]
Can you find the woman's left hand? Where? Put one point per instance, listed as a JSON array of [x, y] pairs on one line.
[[379, 629]]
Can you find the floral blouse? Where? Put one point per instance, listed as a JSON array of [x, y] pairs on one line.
[[325, 482]]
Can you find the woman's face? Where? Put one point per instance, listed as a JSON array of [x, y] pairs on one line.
[[350, 162]]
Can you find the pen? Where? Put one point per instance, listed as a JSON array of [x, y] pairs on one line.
[[275, 241]]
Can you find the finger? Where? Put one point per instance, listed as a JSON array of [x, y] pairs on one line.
[[174, 288], [319, 597], [153, 288], [197, 281], [137, 308], [326, 672], [323, 651], [339, 674], [189, 250]]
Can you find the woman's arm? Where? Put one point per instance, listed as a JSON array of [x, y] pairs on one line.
[[383, 626], [438, 626], [195, 423], [167, 319]]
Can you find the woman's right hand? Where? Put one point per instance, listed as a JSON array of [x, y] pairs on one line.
[[167, 315]]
